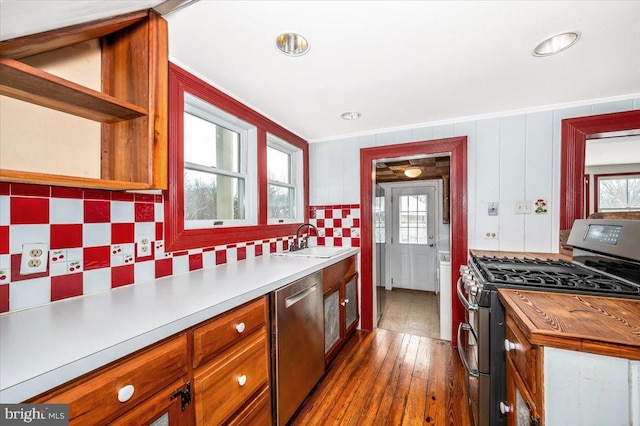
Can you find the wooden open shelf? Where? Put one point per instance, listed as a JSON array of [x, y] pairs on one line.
[[29, 84], [132, 105]]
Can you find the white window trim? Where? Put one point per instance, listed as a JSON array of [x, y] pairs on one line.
[[248, 168], [297, 178]]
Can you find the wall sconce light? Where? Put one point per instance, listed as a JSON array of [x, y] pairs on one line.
[[413, 171]]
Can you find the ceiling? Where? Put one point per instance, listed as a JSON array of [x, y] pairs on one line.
[[400, 63], [431, 167]]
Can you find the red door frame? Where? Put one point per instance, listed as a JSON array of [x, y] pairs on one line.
[[574, 142], [457, 147]]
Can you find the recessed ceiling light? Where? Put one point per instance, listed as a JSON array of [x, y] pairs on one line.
[[292, 44], [413, 171], [350, 115], [556, 43]]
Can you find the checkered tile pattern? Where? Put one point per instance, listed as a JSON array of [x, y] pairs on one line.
[[91, 235], [338, 225]]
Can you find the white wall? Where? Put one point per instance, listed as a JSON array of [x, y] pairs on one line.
[[510, 157]]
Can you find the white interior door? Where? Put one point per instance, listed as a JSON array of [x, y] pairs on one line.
[[412, 246]]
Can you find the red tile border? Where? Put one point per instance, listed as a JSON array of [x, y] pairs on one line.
[[147, 198], [258, 250], [4, 188], [30, 190], [242, 253], [121, 196], [65, 192], [97, 194], [159, 231], [221, 257]]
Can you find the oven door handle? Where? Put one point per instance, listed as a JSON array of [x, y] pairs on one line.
[[467, 305], [464, 326]]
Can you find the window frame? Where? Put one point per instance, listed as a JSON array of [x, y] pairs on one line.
[[248, 166], [297, 177], [605, 176], [176, 237]]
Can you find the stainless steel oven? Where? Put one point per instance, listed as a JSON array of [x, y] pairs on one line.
[[606, 262]]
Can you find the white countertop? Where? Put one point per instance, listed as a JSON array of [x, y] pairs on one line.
[[43, 347]]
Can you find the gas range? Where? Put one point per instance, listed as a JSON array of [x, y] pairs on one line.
[[554, 275], [606, 262]]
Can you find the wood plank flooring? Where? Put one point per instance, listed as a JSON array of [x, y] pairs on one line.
[[389, 378]]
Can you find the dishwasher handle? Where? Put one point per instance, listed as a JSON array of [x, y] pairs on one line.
[[292, 300]]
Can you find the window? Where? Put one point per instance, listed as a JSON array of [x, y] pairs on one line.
[[217, 158], [379, 218], [219, 167], [413, 219], [618, 192], [285, 187]]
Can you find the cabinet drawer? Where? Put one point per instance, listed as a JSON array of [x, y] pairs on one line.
[[218, 385], [94, 400], [332, 276], [257, 413], [524, 356], [225, 330]]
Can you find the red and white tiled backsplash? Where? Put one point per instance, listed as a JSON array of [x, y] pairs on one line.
[[93, 235]]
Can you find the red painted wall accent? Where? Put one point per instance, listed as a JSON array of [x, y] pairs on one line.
[[176, 237], [457, 146], [574, 142]]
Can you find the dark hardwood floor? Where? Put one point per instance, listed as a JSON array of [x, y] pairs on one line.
[[389, 378]]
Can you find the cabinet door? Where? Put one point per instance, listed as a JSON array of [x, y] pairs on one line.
[[351, 302], [519, 406], [331, 320]]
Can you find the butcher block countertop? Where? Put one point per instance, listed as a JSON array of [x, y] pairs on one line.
[[519, 254], [600, 325]]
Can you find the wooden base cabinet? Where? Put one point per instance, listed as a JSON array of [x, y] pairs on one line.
[[215, 373], [341, 316], [556, 387], [232, 368], [139, 389]]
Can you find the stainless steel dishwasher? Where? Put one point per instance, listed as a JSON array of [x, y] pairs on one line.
[[298, 341]]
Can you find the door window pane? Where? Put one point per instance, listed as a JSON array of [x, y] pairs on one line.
[[379, 218], [413, 219]]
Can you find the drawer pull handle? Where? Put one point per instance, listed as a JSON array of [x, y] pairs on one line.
[[504, 408], [242, 380], [125, 393], [509, 346], [240, 327]]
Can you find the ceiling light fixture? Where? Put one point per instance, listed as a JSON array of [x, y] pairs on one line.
[[351, 115], [292, 44], [556, 43], [413, 172]]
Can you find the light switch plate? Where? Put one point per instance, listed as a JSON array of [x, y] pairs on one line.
[[522, 207], [34, 258]]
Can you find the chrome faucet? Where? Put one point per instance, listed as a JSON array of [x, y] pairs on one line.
[[297, 243]]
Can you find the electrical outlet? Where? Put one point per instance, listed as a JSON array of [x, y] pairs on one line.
[[144, 245], [522, 207], [34, 258], [491, 235]]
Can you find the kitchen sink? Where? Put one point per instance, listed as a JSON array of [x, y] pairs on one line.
[[316, 251]]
